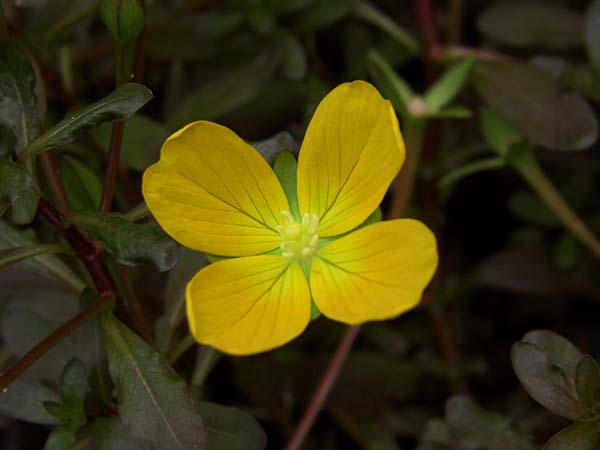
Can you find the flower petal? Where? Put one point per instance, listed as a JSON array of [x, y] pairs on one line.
[[213, 192], [248, 305], [352, 151], [374, 273]]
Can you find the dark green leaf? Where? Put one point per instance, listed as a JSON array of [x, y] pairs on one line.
[[498, 134], [25, 399], [592, 33], [584, 80], [587, 380], [285, 168], [478, 428], [578, 436], [321, 14], [448, 86], [131, 243], [533, 102], [19, 107], [154, 404], [293, 65], [142, 140], [231, 429], [528, 207], [19, 188], [110, 434], [82, 185], [226, 93], [120, 104], [545, 381], [560, 350], [533, 24], [567, 252], [392, 86]]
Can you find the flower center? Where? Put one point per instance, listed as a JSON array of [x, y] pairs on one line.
[[298, 240]]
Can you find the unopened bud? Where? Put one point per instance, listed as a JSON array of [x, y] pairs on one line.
[[123, 18]]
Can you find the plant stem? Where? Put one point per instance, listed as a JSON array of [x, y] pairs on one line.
[[206, 359], [456, 19], [424, 15], [50, 341], [183, 346], [135, 308], [495, 162], [112, 165], [59, 196], [320, 395], [11, 255], [546, 190], [414, 131]]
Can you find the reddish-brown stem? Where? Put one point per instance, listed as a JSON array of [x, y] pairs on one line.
[[50, 341], [320, 395], [425, 17], [112, 165], [137, 313], [54, 182]]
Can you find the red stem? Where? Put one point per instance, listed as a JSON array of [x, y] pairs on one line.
[[112, 165]]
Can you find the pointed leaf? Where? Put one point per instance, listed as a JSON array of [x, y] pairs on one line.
[[19, 188], [25, 399], [154, 404], [498, 134], [132, 243], [110, 434], [448, 86], [392, 86], [118, 105]]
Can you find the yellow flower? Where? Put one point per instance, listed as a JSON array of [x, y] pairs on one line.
[[213, 192]]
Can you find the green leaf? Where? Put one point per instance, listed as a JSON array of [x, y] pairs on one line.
[[131, 243], [272, 147], [498, 134], [82, 185], [578, 436], [142, 140], [24, 399], [11, 256], [584, 80], [533, 24], [592, 33], [293, 65], [110, 434], [474, 167], [392, 86], [231, 429], [19, 188], [321, 14], [227, 93], [120, 104], [545, 364], [285, 168], [451, 112], [587, 381], [70, 410], [567, 252], [533, 102], [19, 107], [529, 208], [476, 427], [154, 404], [11, 238], [448, 86]]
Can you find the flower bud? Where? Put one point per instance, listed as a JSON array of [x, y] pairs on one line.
[[123, 18]]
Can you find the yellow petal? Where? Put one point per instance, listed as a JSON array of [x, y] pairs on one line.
[[248, 305], [213, 192], [352, 151], [374, 273]]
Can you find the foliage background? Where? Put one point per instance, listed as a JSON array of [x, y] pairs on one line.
[[438, 377]]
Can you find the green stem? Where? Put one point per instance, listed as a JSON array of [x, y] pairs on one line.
[[206, 359], [414, 131], [545, 189], [496, 162], [184, 345], [123, 63], [13, 255]]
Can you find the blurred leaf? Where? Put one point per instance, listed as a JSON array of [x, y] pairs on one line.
[[272, 147], [451, 112], [19, 188], [321, 14], [584, 80], [448, 86], [228, 92], [533, 24], [386, 338], [578, 436], [436, 433], [231, 429], [477, 428], [154, 404], [592, 33], [82, 185], [70, 409], [528, 207], [392, 86], [132, 243], [294, 56], [45, 264], [110, 434], [543, 362], [285, 168], [19, 107], [120, 104], [25, 399], [498, 134], [532, 101], [11, 256], [587, 381], [142, 140], [491, 163], [567, 252]]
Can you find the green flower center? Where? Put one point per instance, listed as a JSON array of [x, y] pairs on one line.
[[298, 240]]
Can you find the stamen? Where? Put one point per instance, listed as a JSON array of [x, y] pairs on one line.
[[298, 240]]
